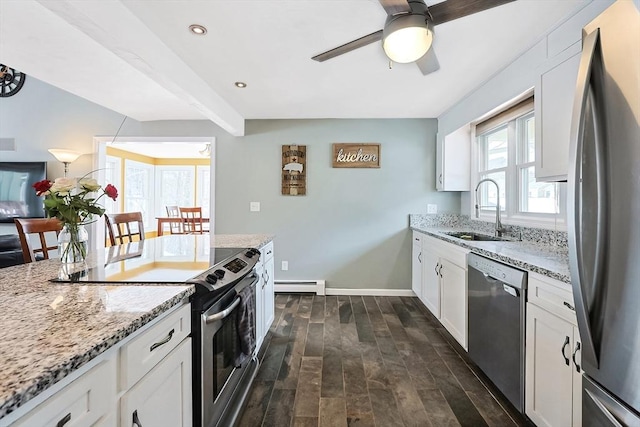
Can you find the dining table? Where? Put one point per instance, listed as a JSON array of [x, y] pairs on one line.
[[162, 220]]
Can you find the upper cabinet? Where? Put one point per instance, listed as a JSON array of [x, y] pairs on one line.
[[453, 160], [554, 93]]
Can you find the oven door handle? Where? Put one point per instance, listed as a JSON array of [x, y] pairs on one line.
[[222, 314]]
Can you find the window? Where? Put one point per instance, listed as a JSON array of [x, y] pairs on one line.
[[112, 176], [182, 186], [506, 154], [138, 191]]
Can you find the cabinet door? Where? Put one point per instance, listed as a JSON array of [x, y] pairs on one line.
[[554, 95], [268, 295], [453, 160], [163, 396], [549, 378], [431, 280], [416, 266], [577, 378], [454, 300], [260, 312]]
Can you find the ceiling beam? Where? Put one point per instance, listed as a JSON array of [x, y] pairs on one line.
[[112, 25]]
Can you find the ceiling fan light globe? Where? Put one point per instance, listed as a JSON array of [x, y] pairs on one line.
[[407, 44]]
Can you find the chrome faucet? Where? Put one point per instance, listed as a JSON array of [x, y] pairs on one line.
[[499, 228]]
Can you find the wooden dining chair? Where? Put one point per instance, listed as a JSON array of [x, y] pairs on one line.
[[175, 227], [124, 227], [43, 227], [192, 220]]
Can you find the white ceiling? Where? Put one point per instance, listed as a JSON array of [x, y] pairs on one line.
[[137, 57]]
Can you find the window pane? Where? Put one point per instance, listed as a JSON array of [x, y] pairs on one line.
[[176, 187], [487, 192], [138, 178], [495, 149], [537, 197], [204, 189], [527, 146]]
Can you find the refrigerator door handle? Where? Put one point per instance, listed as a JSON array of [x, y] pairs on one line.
[[574, 217]]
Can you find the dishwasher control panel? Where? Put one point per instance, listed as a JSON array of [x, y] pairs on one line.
[[502, 272]]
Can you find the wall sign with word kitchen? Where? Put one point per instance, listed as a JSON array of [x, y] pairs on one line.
[[356, 155], [294, 170]]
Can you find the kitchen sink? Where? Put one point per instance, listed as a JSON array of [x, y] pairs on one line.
[[470, 235]]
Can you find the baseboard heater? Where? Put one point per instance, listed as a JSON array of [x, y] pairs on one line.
[[316, 286]]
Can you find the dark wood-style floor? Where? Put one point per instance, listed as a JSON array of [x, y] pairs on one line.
[[365, 361]]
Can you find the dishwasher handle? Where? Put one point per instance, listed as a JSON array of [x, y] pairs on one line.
[[511, 290]]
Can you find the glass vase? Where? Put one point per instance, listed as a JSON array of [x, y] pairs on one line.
[[73, 242]]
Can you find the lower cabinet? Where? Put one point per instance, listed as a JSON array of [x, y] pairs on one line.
[[265, 294], [163, 396], [553, 395], [416, 265], [143, 381], [444, 284]]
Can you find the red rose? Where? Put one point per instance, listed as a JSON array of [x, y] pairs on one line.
[[42, 187], [111, 191]]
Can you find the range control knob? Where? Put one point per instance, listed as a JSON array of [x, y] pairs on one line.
[[219, 273], [211, 279], [249, 254]]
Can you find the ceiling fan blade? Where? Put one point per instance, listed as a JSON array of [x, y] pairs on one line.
[[429, 62], [395, 6], [348, 47], [454, 9]]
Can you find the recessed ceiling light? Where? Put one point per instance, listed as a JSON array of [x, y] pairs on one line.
[[240, 84], [198, 30]]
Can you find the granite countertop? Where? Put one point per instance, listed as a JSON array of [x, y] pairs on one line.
[[48, 330], [542, 258]]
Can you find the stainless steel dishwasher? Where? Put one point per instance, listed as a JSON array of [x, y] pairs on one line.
[[497, 302]]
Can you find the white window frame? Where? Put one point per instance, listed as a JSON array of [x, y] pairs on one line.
[[511, 214]]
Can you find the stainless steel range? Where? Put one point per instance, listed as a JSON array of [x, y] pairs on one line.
[[222, 368]]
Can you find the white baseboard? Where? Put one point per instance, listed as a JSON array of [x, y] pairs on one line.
[[371, 292]]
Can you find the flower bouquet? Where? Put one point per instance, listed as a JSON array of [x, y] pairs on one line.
[[72, 202]]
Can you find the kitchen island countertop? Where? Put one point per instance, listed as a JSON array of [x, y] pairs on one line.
[[48, 330]]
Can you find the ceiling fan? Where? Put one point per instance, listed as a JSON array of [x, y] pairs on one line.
[[408, 31]]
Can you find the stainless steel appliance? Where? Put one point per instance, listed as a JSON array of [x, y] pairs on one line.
[[222, 374], [603, 208], [497, 302]]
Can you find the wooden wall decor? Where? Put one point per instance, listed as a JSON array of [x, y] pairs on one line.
[[356, 155], [294, 170]]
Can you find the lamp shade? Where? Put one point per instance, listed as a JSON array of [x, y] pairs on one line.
[[406, 38], [65, 156]]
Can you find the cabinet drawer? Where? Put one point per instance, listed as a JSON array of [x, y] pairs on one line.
[[266, 253], [141, 354], [552, 295], [88, 400]]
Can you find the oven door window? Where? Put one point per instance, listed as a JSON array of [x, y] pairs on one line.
[[226, 351]]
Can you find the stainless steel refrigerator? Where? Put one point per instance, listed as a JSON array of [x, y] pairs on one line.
[[604, 216]]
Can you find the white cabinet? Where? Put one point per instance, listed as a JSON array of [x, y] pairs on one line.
[[86, 401], [163, 396], [147, 374], [265, 296], [553, 375], [553, 98], [416, 265], [454, 302], [444, 284], [453, 160]]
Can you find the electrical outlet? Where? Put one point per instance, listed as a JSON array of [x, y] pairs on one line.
[[432, 209], [285, 265], [254, 206]]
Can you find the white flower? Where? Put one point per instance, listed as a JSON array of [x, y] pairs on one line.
[[89, 184], [63, 186]]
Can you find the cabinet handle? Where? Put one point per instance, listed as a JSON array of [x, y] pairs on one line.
[[420, 257], [436, 268], [566, 343], [569, 306], [440, 271], [163, 342], [136, 420], [64, 420], [440, 178], [573, 357]]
